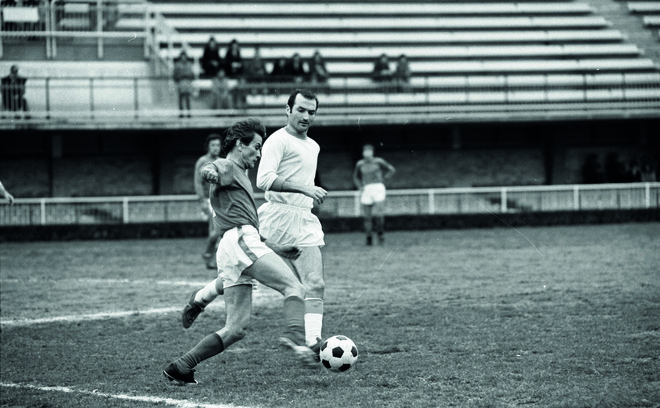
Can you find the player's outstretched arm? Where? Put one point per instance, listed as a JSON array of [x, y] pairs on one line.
[[217, 172], [6, 194], [357, 175]]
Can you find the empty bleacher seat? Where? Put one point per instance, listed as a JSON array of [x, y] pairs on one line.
[[20, 15]]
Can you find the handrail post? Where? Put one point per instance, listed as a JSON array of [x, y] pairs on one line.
[[148, 33], [136, 106], [53, 27], [647, 195], [99, 28], [124, 212], [91, 97], [576, 197], [431, 202], [42, 204], [503, 204], [47, 98]]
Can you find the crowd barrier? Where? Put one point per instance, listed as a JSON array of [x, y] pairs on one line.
[[92, 211]]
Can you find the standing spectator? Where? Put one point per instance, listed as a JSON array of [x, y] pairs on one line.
[[211, 62], [615, 171], [369, 176], [382, 71], [634, 171], [402, 74], [13, 91], [213, 145], [648, 174], [233, 60], [4, 193], [255, 71], [317, 70], [592, 171], [297, 69], [221, 94], [183, 78]]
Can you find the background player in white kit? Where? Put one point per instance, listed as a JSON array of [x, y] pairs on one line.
[[369, 176]]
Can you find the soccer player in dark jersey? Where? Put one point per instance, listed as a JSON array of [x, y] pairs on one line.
[[369, 176], [243, 256], [202, 190]]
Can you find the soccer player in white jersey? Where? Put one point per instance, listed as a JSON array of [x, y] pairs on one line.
[[243, 256], [286, 173], [369, 176]]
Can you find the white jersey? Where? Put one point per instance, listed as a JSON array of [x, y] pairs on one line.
[[292, 159]]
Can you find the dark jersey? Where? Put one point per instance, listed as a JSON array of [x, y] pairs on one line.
[[232, 200]]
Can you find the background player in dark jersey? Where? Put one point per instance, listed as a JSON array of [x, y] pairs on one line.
[[243, 256], [212, 144], [369, 176]]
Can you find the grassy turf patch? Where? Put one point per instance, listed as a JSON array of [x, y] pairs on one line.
[[545, 317]]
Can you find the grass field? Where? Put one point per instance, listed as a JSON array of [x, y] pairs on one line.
[[534, 317]]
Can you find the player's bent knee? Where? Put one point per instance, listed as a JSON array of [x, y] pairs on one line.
[[238, 333]]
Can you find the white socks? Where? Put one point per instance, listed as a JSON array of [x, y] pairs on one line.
[[313, 320], [208, 293]]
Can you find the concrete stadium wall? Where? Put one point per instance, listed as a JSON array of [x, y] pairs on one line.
[[118, 163]]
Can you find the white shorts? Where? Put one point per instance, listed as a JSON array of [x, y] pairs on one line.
[[290, 225], [239, 248], [372, 194]]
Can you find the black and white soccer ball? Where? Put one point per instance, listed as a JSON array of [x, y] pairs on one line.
[[338, 353]]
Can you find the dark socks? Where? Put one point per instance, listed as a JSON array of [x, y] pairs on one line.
[[207, 348]]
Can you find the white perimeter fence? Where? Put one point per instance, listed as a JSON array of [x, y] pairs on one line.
[[497, 200]]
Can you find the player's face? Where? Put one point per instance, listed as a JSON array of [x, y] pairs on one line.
[[214, 147], [252, 152], [368, 153], [301, 115]]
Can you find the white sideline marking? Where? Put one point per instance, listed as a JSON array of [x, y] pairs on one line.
[[140, 398], [261, 297], [99, 280]]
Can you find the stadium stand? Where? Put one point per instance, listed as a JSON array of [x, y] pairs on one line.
[[479, 41], [649, 11], [472, 56]]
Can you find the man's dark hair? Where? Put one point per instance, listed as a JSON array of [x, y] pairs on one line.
[[212, 136], [306, 93], [244, 131]]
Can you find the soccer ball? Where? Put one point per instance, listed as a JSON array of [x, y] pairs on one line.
[[338, 353]]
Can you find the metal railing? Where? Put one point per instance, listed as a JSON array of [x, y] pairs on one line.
[[495, 200], [55, 21], [157, 97]]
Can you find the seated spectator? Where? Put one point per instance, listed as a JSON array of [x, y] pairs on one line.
[[255, 71], [317, 71], [233, 60], [211, 62], [382, 71], [279, 75], [183, 76], [297, 69], [13, 91], [221, 93], [402, 74]]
